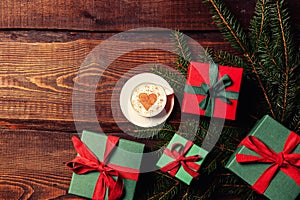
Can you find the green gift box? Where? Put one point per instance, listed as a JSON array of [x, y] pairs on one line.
[[127, 155], [255, 168], [193, 153]]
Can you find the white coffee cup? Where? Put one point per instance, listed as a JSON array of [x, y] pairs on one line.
[[148, 99]]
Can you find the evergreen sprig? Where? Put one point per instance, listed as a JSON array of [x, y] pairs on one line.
[[270, 54], [176, 80], [227, 59], [183, 51], [270, 51], [229, 26], [165, 187]]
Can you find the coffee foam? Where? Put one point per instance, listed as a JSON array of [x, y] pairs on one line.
[[147, 91]]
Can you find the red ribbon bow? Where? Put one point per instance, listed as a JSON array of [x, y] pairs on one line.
[[188, 163], [286, 161], [88, 162]]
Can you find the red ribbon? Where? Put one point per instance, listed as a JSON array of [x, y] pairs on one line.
[[188, 163], [286, 161], [88, 162]]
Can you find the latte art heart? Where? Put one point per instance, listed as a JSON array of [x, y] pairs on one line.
[[147, 100]]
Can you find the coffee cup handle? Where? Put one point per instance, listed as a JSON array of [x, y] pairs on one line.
[[169, 91]]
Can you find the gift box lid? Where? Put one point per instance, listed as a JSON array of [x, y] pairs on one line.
[[274, 135], [128, 154], [199, 74], [194, 150]]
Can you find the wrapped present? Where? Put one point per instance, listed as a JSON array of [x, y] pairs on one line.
[[269, 160], [106, 167], [212, 90], [182, 159]]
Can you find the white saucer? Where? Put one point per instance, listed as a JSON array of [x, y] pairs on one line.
[[126, 107]]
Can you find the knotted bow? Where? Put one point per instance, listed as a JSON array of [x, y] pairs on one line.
[[216, 89], [88, 162], [188, 163], [286, 161]]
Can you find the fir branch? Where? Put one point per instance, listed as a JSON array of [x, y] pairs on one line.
[[274, 60], [297, 127], [183, 50], [257, 24], [232, 31], [284, 27], [165, 190], [186, 194], [277, 59], [230, 184], [163, 133], [227, 59], [260, 83], [229, 26], [199, 192], [205, 56], [295, 120], [268, 53], [283, 32], [175, 80]]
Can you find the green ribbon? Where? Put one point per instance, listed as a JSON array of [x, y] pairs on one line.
[[215, 90]]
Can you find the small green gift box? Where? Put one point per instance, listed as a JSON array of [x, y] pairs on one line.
[[269, 160], [182, 159], [106, 166]]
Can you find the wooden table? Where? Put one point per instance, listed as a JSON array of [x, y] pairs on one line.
[[42, 46]]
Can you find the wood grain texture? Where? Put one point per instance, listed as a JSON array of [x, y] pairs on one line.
[[36, 81], [120, 15], [42, 46], [34, 78], [33, 164], [117, 15]]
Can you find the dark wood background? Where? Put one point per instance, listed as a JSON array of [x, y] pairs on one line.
[[42, 45]]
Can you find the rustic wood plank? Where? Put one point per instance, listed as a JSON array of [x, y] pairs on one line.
[[36, 78], [118, 15], [58, 36], [50, 36], [30, 73], [36, 81], [33, 164]]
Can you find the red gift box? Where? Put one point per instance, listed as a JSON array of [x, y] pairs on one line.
[[217, 99]]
